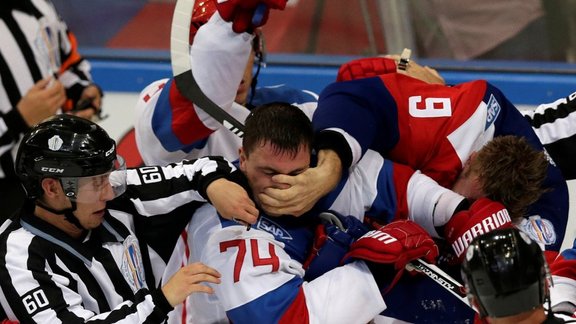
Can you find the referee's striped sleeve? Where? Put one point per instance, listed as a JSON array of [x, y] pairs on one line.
[[157, 190]]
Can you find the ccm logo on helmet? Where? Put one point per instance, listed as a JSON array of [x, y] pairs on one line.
[[109, 151], [52, 170], [492, 222]]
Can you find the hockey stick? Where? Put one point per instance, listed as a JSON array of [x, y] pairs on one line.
[[182, 69], [441, 278]]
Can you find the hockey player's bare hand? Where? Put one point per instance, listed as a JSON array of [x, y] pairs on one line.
[[41, 101], [423, 73], [303, 190], [188, 280], [232, 201]]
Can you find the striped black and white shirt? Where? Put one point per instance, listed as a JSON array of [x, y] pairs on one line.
[[554, 124], [110, 275], [35, 44]]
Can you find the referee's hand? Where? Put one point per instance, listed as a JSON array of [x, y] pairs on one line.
[[41, 101], [232, 201], [189, 280]]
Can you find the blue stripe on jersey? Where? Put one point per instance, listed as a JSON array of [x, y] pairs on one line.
[[385, 205], [269, 307], [281, 93], [162, 124], [327, 201], [508, 121], [570, 254], [367, 111]]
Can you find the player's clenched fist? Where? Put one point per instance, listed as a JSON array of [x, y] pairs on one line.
[[388, 249], [483, 216], [396, 243], [246, 15]]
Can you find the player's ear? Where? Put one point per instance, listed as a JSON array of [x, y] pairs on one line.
[[242, 157]]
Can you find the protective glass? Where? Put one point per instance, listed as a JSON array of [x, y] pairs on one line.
[[106, 186]]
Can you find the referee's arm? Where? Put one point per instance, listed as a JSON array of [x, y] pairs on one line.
[[39, 289]]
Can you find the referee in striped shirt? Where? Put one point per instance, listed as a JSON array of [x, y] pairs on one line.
[[41, 72], [93, 237]]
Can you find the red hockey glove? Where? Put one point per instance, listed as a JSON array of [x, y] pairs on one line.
[[365, 67], [246, 15], [484, 215], [395, 244]]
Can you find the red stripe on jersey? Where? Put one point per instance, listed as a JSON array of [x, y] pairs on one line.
[[425, 121], [186, 125], [297, 312], [550, 256], [148, 96], [563, 267]]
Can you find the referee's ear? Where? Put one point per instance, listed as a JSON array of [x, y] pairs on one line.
[[51, 188]]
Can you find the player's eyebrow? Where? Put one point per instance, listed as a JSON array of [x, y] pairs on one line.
[[267, 169]]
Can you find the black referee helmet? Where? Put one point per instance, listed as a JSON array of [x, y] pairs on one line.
[[63, 146], [506, 273]]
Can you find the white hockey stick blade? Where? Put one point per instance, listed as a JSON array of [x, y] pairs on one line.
[[182, 69], [441, 278]]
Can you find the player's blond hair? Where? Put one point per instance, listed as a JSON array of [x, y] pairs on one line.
[[512, 172]]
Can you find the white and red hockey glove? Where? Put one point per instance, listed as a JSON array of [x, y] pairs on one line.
[[393, 245], [483, 216], [365, 67], [246, 15]]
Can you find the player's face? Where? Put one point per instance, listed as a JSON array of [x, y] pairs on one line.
[[244, 87], [265, 162]]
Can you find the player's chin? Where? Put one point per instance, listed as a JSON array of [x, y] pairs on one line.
[[271, 211]]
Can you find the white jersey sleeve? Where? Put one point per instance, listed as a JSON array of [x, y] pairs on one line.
[[164, 134], [563, 270], [169, 127]]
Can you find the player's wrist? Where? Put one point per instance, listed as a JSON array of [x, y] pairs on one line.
[[336, 142], [329, 168]]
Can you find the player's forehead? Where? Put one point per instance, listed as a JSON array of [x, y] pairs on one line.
[[281, 161]]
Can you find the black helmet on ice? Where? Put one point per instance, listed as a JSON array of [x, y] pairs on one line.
[[506, 273]]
